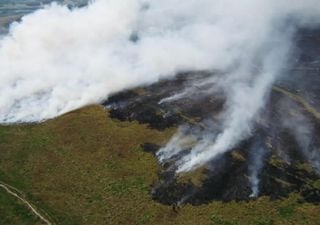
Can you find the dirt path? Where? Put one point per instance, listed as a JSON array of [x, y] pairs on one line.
[[16, 193]]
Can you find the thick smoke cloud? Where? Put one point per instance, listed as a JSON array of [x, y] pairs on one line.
[[259, 59], [56, 59]]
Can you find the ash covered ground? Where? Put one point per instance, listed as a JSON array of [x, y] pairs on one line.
[[281, 156]]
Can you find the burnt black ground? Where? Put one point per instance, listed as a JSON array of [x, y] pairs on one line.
[[286, 169]]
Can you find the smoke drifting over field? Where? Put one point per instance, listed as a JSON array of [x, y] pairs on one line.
[[57, 59]]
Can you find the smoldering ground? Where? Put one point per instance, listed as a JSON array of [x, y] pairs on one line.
[[270, 162]]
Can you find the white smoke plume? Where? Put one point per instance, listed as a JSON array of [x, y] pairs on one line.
[[257, 157], [249, 82], [59, 59]]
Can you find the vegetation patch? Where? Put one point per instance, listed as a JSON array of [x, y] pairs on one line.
[[86, 168]]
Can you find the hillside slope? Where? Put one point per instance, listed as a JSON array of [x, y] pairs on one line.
[[85, 168]]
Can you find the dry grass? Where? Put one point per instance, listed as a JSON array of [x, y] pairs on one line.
[[85, 168]]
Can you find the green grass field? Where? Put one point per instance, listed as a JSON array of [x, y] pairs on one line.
[[85, 168]]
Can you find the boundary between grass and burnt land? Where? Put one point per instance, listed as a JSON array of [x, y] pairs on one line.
[[17, 194], [297, 98]]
